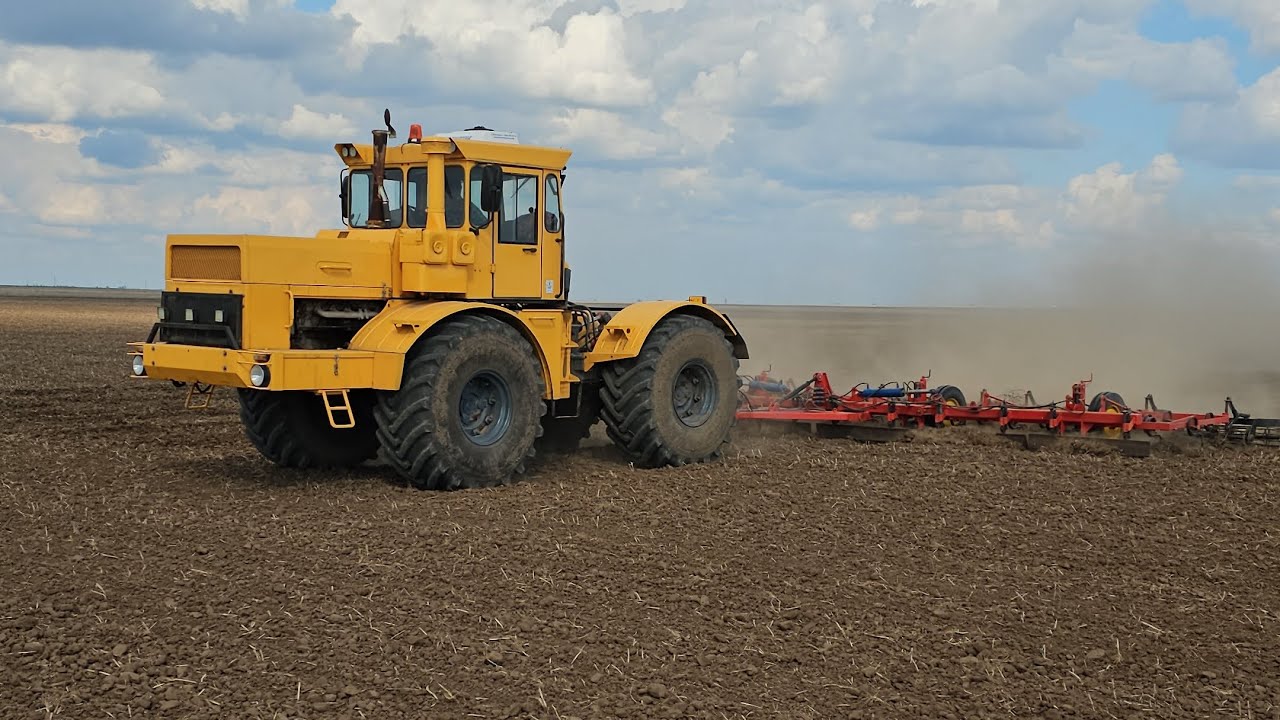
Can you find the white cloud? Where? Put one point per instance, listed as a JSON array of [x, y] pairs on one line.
[[1199, 69], [508, 44], [1244, 131], [1261, 18], [1111, 200], [60, 133], [289, 210], [865, 220], [607, 133], [1107, 200], [61, 84], [307, 123], [634, 7], [238, 8]]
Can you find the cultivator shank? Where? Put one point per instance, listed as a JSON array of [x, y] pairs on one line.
[[916, 404]]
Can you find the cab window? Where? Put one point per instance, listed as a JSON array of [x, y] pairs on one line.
[[416, 208], [455, 199], [519, 209], [361, 188], [552, 194]]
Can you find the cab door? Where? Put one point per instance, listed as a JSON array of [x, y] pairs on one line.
[[552, 238], [517, 256]]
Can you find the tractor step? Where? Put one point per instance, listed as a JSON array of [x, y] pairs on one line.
[[199, 396], [333, 408]]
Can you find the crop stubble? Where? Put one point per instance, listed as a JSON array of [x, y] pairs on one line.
[[155, 566]]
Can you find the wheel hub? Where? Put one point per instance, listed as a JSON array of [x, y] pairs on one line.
[[484, 408], [695, 394]]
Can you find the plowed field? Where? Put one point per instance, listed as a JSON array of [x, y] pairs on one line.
[[153, 565]]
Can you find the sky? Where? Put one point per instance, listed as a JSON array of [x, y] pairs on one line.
[[843, 152]]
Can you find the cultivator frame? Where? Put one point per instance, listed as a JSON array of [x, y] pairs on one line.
[[914, 404]]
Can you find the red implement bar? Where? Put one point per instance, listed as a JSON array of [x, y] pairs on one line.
[[916, 404]]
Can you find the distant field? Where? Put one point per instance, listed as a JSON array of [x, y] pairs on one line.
[[1188, 360]]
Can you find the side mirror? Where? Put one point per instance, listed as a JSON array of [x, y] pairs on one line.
[[491, 188]]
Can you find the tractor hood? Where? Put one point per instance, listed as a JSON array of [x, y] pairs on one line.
[[328, 260]]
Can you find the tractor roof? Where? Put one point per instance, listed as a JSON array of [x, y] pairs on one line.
[[503, 152]]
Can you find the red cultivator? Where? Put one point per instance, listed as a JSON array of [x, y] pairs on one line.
[[914, 404]]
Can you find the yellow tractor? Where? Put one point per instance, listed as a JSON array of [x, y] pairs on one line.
[[435, 328]]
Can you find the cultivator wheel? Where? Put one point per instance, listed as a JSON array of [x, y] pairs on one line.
[[1109, 402], [951, 396], [291, 429], [675, 403]]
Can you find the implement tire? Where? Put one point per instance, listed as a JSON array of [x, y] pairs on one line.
[[676, 402], [291, 429], [949, 395], [468, 410]]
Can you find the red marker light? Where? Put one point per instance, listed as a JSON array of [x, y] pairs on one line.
[[415, 133]]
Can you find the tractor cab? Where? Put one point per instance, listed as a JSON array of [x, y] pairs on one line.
[[477, 215]]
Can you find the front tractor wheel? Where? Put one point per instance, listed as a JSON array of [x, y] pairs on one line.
[[676, 402], [468, 410], [291, 429]]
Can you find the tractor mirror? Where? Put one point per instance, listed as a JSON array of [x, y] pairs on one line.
[[490, 188]]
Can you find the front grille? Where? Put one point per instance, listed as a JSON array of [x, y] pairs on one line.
[[193, 319], [204, 262]]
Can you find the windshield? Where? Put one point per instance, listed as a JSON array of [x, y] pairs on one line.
[[393, 193]]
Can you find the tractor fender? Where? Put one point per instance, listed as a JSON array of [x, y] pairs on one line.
[[624, 335], [395, 330]]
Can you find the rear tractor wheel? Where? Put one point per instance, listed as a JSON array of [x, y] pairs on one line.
[[468, 410], [676, 402], [291, 429]]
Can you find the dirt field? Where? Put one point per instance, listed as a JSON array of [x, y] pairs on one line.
[[155, 566]]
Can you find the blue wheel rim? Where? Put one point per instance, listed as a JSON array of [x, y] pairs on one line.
[[484, 408], [695, 394]]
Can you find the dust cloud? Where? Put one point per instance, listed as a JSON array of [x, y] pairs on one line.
[[1184, 315]]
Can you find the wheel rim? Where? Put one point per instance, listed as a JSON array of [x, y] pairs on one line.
[[694, 399], [484, 408], [1112, 433], [951, 402]]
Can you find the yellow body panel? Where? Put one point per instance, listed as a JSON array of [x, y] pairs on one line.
[[624, 335], [290, 369], [363, 261]]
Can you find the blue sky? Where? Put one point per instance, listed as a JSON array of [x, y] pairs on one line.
[[859, 152]]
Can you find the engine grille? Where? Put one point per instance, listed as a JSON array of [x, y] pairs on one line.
[[204, 262], [205, 319]]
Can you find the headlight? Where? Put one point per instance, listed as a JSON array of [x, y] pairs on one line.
[[139, 368], [259, 375]]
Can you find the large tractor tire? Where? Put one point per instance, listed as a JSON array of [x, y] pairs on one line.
[[291, 429], [468, 410], [676, 402]]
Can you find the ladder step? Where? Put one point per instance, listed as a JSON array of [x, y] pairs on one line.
[[333, 410]]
